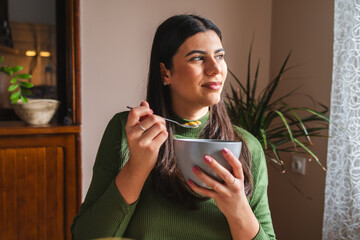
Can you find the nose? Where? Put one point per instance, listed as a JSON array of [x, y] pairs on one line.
[[212, 67]]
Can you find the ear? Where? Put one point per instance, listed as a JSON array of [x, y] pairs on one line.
[[165, 74]]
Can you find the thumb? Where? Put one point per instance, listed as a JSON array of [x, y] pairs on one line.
[[145, 104]]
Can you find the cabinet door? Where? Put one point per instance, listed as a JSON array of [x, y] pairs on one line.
[[32, 193]]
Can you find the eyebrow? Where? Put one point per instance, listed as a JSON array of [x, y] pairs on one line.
[[203, 52]]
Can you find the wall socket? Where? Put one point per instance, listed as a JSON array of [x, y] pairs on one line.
[[298, 164]]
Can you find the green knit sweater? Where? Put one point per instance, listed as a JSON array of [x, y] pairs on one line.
[[104, 213]]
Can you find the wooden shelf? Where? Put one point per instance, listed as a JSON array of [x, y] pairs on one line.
[[17, 128]]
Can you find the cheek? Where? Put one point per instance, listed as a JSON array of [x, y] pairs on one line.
[[185, 71], [193, 72], [190, 76], [224, 70]]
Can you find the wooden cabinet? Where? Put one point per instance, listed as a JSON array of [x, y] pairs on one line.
[[39, 190]]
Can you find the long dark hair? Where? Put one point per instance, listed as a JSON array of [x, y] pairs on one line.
[[167, 179]]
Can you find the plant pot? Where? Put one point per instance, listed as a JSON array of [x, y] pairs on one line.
[[36, 111]]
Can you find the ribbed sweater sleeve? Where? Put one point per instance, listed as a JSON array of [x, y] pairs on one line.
[[104, 212], [259, 200]]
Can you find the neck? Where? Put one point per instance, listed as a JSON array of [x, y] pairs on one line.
[[192, 113]]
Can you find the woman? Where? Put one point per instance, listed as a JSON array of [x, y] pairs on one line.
[[137, 190]]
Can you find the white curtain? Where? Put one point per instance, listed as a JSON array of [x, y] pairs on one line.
[[342, 191]]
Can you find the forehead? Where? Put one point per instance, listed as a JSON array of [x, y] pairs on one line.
[[208, 40]]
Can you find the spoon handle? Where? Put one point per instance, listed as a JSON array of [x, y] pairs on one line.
[[182, 125], [169, 120]]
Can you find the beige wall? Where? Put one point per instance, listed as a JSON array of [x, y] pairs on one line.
[[306, 27], [116, 38]]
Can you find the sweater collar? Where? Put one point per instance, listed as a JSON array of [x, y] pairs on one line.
[[181, 132]]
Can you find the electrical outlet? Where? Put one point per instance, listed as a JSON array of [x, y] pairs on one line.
[[298, 164]]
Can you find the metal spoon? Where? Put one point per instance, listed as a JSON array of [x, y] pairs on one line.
[[177, 123]]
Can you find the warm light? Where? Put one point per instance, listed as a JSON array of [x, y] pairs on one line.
[[30, 53], [44, 54]]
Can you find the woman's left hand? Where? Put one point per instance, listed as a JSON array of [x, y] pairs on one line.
[[229, 196]]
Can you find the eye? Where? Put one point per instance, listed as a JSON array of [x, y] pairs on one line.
[[220, 56], [197, 58]]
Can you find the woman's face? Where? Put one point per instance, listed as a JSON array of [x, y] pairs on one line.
[[198, 73]]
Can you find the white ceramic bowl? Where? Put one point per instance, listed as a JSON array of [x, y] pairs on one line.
[[191, 152], [36, 111]]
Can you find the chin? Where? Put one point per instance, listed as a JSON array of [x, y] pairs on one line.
[[212, 101]]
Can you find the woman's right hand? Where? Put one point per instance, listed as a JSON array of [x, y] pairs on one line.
[[144, 145]]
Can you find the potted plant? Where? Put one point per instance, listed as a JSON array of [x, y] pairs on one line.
[[272, 121], [31, 111]]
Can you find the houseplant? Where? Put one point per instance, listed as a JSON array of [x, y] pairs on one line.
[[19, 88], [31, 111], [278, 126]]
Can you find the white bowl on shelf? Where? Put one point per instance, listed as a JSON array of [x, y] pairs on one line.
[[37, 111]]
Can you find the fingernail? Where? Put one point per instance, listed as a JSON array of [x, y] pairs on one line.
[[190, 182], [207, 159], [226, 151], [196, 169]]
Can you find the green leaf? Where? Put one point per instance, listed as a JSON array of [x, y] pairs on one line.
[[23, 76], [8, 70], [17, 68], [13, 81], [15, 100], [24, 99], [300, 122], [274, 160], [2, 59], [286, 124], [311, 153], [321, 115], [273, 147], [263, 134], [248, 83], [13, 87], [26, 84], [255, 80], [15, 95]]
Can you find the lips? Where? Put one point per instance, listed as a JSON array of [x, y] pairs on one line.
[[212, 85]]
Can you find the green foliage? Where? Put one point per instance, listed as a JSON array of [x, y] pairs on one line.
[[18, 87], [273, 122]]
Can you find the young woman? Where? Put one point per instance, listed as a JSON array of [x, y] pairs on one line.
[[137, 190]]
